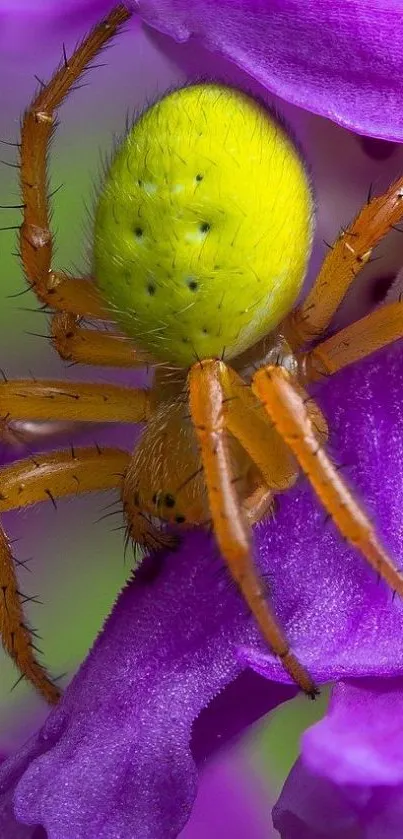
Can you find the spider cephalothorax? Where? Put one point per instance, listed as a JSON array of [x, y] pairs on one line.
[[201, 239]]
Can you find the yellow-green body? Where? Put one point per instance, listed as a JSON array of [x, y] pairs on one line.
[[203, 228]]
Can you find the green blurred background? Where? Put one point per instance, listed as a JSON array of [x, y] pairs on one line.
[[78, 565]]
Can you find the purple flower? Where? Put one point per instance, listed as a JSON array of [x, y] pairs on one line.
[[114, 758], [340, 60], [231, 801], [180, 669], [349, 779]]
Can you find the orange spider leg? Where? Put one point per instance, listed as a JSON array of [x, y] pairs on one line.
[[73, 294], [79, 401], [88, 346], [287, 409], [207, 405], [247, 420], [357, 341], [65, 472], [341, 265], [37, 129], [21, 434], [44, 478], [14, 633]]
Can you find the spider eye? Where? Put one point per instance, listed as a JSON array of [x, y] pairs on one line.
[[223, 227]]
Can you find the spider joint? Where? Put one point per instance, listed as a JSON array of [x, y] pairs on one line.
[[37, 237], [43, 116], [53, 281]]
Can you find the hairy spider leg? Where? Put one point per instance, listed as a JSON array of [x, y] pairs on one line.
[[343, 262], [246, 419], [15, 634], [287, 409], [22, 434], [207, 405], [37, 129], [55, 289], [354, 342], [44, 399], [43, 478], [88, 346]]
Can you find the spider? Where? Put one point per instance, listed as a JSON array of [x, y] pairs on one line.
[[202, 234]]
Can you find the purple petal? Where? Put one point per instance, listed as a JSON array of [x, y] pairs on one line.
[[118, 744], [173, 643], [341, 620], [231, 802], [349, 779], [341, 60], [360, 741], [243, 701], [9, 827]]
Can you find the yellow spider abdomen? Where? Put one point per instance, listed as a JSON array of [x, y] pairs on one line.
[[203, 228]]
